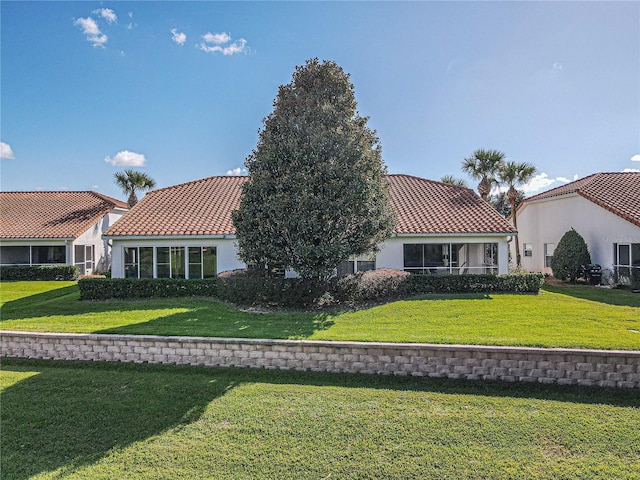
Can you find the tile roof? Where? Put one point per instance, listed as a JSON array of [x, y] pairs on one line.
[[427, 206], [203, 207], [617, 192], [52, 214]]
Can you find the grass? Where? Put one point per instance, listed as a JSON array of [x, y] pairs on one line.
[[572, 317], [99, 421]]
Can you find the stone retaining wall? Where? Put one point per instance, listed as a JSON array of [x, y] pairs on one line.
[[603, 368]]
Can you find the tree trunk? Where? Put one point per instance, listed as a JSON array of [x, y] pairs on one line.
[[484, 188], [133, 199], [512, 194]]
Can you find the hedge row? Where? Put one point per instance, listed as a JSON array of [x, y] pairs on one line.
[[511, 283], [39, 272], [246, 288], [130, 288]]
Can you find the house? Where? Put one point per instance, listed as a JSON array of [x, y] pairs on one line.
[[186, 231], [44, 228], [604, 208]]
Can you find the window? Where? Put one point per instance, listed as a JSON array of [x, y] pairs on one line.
[[170, 262], [428, 257], [527, 248], [131, 263], [626, 257], [48, 255], [491, 254], [15, 255], [549, 248], [356, 264]]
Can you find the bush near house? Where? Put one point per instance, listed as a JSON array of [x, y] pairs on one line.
[[569, 256], [245, 287], [39, 272], [132, 288]]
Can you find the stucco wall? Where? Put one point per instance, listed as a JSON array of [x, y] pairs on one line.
[[560, 366], [546, 221]]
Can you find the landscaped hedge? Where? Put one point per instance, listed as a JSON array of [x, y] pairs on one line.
[[104, 288], [511, 283], [246, 288], [39, 272]]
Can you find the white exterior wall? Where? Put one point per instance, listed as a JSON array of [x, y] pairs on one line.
[[391, 255], [226, 250], [546, 221], [93, 236]]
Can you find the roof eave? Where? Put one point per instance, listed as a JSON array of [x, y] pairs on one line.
[[226, 236]]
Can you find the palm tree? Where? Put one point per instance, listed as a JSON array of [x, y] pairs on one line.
[[513, 174], [130, 181], [483, 165], [451, 180]]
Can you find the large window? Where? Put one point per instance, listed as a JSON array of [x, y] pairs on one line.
[[170, 262], [15, 255], [33, 255], [356, 264], [626, 258], [549, 249], [433, 258]]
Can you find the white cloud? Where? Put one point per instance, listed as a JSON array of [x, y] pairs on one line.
[[236, 172], [635, 158], [5, 151], [217, 38], [108, 14], [542, 181], [179, 38], [91, 30], [630, 170], [94, 187], [216, 42], [557, 67], [125, 158]]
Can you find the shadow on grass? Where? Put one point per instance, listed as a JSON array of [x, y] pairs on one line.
[[67, 415], [201, 316], [624, 298]]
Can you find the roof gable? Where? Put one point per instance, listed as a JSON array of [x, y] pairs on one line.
[[618, 192], [203, 207], [52, 214]]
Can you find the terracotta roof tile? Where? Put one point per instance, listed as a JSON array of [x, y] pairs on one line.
[[52, 214], [203, 207], [617, 192]]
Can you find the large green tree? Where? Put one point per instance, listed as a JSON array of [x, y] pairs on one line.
[[317, 189], [130, 181], [512, 175], [483, 165]]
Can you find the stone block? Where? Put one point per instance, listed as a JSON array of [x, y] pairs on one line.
[[584, 367], [625, 368]]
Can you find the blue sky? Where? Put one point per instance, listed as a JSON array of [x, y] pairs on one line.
[[179, 89]]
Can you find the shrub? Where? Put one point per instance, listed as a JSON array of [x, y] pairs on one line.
[[247, 287], [381, 284], [510, 283], [570, 254], [39, 272], [132, 288]]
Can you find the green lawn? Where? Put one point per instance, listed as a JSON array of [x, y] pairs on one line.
[[576, 317], [103, 421]]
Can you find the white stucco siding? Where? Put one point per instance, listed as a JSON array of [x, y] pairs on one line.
[[546, 221], [226, 250], [93, 236]]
